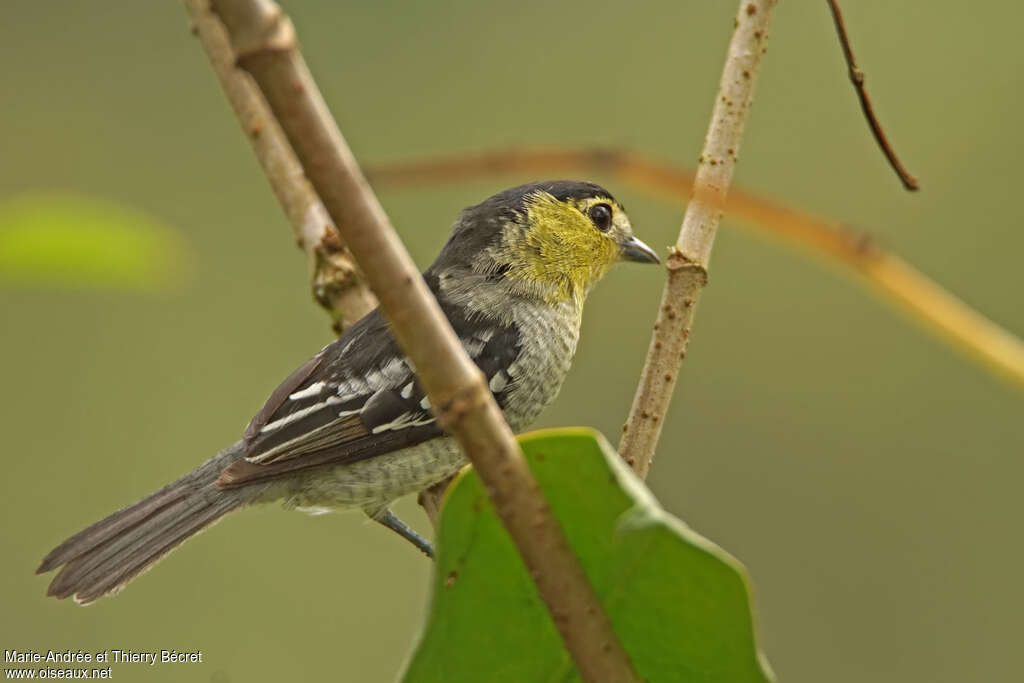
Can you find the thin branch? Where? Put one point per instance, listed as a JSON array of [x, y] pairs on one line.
[[336, 280], [937, 309], [688, 260], [857, 78], [264, 42], [430, 499]]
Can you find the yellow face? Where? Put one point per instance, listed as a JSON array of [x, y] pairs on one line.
[[569, 245]]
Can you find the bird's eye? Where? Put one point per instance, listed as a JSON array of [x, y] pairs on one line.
[[601, 214]]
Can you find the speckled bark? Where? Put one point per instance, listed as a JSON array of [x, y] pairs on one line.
[[688, 262]]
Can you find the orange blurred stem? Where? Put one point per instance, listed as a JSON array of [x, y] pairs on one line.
[[935, 308]]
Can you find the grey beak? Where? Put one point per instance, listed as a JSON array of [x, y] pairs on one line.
[[635, 250]]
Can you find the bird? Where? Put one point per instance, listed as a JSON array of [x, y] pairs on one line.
[[352, 428]]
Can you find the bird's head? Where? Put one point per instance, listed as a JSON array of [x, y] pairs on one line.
[[549, 240]]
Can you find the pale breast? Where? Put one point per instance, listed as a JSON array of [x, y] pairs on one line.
[[548, 336]]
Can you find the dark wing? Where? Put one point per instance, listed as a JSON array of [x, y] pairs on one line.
[[358, 398]]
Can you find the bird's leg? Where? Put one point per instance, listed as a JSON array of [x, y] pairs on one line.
[[385, 516]]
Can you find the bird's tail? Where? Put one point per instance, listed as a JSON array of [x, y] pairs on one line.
[[104, 557]]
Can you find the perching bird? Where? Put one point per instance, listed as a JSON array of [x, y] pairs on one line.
[[352, 427]]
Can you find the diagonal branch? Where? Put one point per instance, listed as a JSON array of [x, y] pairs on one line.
[[688, 260], [857, 78], [938, 310], [336, 280], [264, 43]]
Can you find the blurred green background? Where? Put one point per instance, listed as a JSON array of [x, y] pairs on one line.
[[867, 475]]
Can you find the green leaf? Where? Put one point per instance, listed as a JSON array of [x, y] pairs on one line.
[[680, 604], [73, 241]]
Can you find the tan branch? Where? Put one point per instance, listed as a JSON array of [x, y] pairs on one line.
[[336, 280], [264, 42], [430, 499], [688, 259], [937, 309], [857, 79]]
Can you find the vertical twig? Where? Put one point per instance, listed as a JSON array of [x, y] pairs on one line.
[[337, 282], [264, 43], [857, 78], [688, 261]]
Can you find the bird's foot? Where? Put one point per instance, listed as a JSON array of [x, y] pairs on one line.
[[386, 517]]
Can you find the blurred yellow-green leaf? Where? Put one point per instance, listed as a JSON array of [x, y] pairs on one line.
[[680, 605], [85, 242]]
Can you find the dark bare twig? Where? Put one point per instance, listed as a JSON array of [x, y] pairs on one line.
[[857, 78]]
